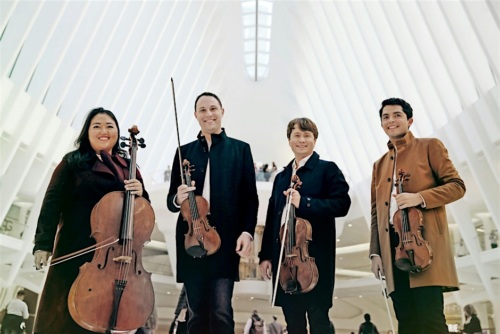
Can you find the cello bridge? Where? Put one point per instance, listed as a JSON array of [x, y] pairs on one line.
[[123, 258]]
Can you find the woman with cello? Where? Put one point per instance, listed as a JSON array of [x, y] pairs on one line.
[[306, 288], [97, 167]]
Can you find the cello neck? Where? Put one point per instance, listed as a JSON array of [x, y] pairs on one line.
[[127, 226]]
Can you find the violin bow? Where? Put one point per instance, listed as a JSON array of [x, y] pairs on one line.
[[285, 231], [384, 293], [177, 128]]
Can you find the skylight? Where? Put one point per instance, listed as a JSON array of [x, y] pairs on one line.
[[257, 19]]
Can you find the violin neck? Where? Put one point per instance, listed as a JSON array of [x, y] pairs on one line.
[[291, 227], [405, 222], [192, 200]]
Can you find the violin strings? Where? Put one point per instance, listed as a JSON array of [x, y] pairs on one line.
[[194, 214]]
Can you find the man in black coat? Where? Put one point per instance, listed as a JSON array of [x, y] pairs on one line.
[[231, 193], [322, 196]]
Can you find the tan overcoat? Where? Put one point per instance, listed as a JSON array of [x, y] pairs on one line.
[[434, 177]]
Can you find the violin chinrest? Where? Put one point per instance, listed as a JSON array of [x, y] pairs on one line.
[[197, 251], [405, 265]]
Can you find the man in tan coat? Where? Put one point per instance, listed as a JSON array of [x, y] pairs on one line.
[[433, 183]]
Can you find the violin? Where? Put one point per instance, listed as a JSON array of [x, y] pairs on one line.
[[413, 253], [201, 239], [113, 292], [298, 272]]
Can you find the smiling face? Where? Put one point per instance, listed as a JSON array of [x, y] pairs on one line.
[[103, 133], [209, 114], [301, 142], [395, 122]]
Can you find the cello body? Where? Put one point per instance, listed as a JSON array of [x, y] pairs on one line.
[[92, 299]]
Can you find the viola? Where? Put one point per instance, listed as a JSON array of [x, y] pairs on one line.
[[113, 292], [298, 272], [413, 253], [201, 239]]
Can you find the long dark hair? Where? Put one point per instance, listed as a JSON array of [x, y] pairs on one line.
[[84, 151]]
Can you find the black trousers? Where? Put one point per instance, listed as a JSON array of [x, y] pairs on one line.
[[209, 303], [295, 317], [418, 310], [12, 324]]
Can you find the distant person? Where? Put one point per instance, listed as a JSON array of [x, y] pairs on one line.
[[461, 250], [493, 239], [274, 171], [275, 327], [368, 327], [167, 173], [255, 325], [16, 314], [472, 324]]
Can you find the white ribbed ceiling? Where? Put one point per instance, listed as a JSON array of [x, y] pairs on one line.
[[333, 61]]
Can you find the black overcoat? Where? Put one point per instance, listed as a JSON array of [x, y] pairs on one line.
[[233, 202], [64, 227], [324, 196]]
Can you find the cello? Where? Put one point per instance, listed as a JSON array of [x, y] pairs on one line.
[[113, 292], [413, 253], [201, 238], [298, 272]]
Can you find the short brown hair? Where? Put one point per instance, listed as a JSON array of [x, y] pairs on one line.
[[304, 124], [470, 310]]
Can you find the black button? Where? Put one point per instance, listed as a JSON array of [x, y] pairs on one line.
[[388, 179], [386, 204], [392, 158], [386, 229]]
